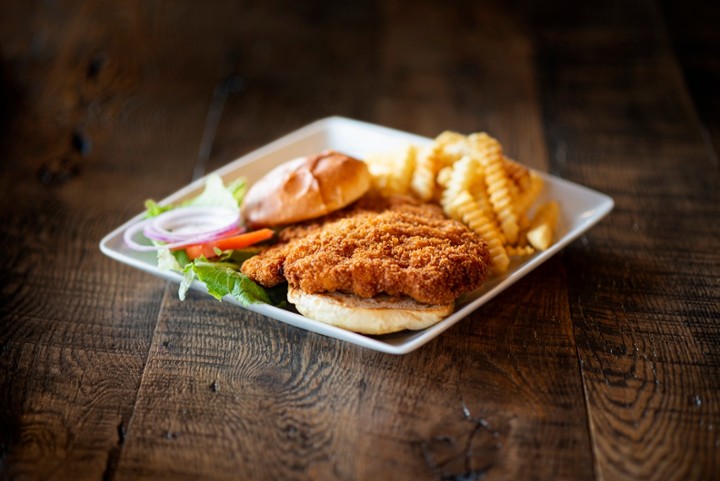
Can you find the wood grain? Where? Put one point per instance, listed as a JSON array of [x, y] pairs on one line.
[[480, 401], [644, 290], [95, 102]]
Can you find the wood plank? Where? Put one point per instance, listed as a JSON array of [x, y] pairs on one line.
[[643, 289], [498, 396], [289, 74], [103, 114]]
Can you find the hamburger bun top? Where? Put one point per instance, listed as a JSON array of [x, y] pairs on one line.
[[305, 188]]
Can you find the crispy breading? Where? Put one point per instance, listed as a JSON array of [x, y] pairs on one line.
[[393, 246]]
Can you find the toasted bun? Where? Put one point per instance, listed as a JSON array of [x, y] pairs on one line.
[[305, 188], [377, 315]]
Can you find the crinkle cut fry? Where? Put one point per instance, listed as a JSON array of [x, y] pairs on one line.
[[490, 155], [465, 209], [480, 195], [520, 251], [518, 173], [463, 174], [426, 167], [540, 234], [392, 172], [451, 147], [527, 197]]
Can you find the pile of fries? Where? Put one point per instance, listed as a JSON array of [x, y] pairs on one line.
[[475, 183]]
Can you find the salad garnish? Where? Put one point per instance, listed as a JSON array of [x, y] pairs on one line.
[[204, 239]]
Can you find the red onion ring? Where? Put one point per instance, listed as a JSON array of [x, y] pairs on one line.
[[185, 226]]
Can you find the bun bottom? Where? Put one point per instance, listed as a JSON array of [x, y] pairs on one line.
[[377, 315]]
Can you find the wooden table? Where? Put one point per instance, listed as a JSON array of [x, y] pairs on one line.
[[602, 364]]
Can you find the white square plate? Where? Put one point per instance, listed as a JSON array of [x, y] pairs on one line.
[[581, 208]]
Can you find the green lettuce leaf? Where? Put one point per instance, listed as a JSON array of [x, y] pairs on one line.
[[221, 279], [215, 194], [168, 261], [153, 209], [238, 188]]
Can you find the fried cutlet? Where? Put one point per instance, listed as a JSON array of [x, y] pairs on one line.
[[393, 246]]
